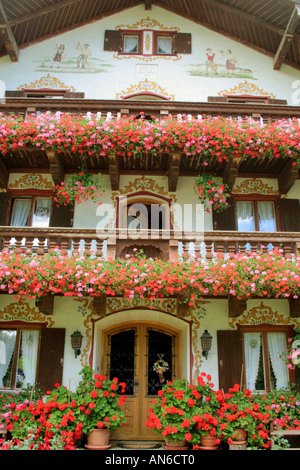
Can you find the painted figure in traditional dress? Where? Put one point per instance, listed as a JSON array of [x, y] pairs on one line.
[[230, 61], [210, 65], [85, 53], [57, 59]]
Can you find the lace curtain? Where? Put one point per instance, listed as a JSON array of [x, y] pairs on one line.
[[164, 46], [245, 216], [30, 342], [252, 354], [130, 44], [266, 217], [8, 341], [21, 212], [41, 213], [277, 345]]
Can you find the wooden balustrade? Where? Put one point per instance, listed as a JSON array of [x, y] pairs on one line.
[[273, 110], [114, 243]]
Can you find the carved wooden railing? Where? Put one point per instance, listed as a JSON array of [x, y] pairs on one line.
[[164, 244], [272, 110]]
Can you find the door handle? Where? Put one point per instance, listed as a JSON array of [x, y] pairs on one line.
[[136, 384]]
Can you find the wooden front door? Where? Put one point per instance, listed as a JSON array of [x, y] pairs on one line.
[[130, 352]]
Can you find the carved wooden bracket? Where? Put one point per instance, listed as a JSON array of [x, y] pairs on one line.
[[287, 177], [99, 305], [231, 173], [174, 165], [113, 168], [236, 307], [4, 175], [183, 309], [55, 167], [45, 304], [294, 307]]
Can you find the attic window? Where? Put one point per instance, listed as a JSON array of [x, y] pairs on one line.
[[131, 44], [147, 42], [164, 45]]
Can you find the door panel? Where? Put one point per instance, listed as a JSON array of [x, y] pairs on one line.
[[130, 353]]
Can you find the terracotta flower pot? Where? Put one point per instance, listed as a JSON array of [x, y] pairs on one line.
[[239, 436], [98, 439], [208, 442], [181, 445]]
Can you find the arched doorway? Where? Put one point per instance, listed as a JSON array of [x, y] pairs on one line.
[[129, 352]]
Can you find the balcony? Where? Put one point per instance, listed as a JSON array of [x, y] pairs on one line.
[[162, 244], [215, 106]]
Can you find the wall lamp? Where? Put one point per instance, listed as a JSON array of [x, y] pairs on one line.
[[76, 341], [206, 340]]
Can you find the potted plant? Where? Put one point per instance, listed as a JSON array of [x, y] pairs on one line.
[[207, 433], [78, 188], [99, 401], [172, 412], [212, 193], [238, 415]]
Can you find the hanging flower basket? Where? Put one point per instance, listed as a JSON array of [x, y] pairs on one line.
[[292, 354], [80, 187], [212, 194]]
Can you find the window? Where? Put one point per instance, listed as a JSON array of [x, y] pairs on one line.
[[28, 211], [131, 44], [139, 212], [164, 45], [264, 368], [255, 216], [18, 357], [148, 42]]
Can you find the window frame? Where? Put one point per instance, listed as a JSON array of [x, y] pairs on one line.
[[33, 197], [255, 199], [156, 36], [264, 329], [19, 327], [139, 36], [144, 198]]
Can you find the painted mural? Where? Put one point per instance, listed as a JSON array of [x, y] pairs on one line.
[[79, 58], [216, 66], [220, 64]]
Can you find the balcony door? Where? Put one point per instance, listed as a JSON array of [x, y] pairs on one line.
[[130, 354]]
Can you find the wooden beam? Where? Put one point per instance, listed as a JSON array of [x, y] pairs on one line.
[[113, 168], [245, 15], [287, 177], [174, 165], [43, 11], [55, 167], [148, 4], [4, 175], [7, 36], [287, 38]]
